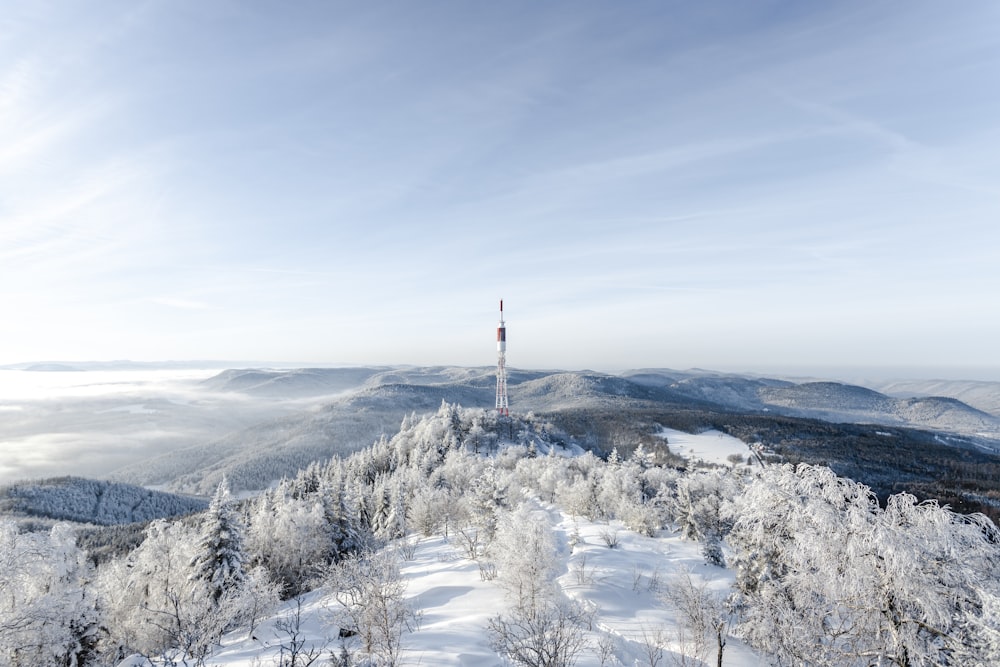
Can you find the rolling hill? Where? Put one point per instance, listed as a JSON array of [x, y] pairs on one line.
[[346, 409], [829, 401]]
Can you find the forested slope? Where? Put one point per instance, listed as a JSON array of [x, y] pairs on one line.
[[93, 501], [924, 584]]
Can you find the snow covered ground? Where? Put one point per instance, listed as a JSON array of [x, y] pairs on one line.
[[622, 585], [710, 446]]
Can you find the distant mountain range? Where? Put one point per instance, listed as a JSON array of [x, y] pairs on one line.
[[829, 401], [983, 396], [354, 406]]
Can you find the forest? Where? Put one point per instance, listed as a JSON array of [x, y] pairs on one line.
[[889, 459], [93, 501], [825, 570]]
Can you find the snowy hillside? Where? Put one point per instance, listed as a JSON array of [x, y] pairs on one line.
[[184, 430], [622, 589], [733, 392], [93, 501], [839, 402], [254, 457], [469, 538], [295, 383]]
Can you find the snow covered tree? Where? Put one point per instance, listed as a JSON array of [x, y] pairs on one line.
[[341, 525], [157, 602], [428, 508], [642, 458], [218, 561], [926, 574], [524, 551], [489, 494], [290, 537], [827, 577], [704, 614], [47, 614], [696, 505], [147, 595], [370, 594]]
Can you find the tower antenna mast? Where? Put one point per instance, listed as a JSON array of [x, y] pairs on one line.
[[502, 405]]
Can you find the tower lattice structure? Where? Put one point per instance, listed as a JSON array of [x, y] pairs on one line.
[[503, 407]]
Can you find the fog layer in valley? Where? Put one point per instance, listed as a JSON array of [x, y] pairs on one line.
[[90, 423], [184, 429]]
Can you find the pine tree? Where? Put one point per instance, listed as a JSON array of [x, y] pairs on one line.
[[219, 559]]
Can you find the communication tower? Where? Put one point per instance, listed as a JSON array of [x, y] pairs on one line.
[[502, 406]]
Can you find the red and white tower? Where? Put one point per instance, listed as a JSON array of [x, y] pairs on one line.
[[502, 406]]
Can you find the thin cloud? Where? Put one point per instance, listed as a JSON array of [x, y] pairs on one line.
[[181, 304]]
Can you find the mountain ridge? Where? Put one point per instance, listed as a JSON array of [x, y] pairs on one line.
[[357, 405]]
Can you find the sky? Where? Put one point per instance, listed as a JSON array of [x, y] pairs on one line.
[[729, 185]]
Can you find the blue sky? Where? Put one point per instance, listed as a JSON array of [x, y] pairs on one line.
[[731, 185]]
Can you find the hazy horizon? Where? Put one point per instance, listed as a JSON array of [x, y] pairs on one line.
[[846, 373]]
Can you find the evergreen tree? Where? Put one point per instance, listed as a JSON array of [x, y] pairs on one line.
[[220, 557]]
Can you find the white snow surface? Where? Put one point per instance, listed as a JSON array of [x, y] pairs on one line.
[[709, 446], [620, 585]]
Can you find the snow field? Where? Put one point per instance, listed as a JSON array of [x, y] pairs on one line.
[[620, 585], [623, 586], [710, 446]]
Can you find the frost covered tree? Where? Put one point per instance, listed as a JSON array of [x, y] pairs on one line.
[[489, 495], [47, 614], [370, 596], [218, 563], [623, 493], [430, 510], [524, 551], [293, 537], [929, 574], [147, 596], [578, 491], [388, 507], [828, 577], [696, 505], [341, 525], [158, 605]]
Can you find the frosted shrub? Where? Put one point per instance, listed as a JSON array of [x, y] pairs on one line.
[[550, 635], [47, 616], [370, 595], [904, 585], [704, 615]]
